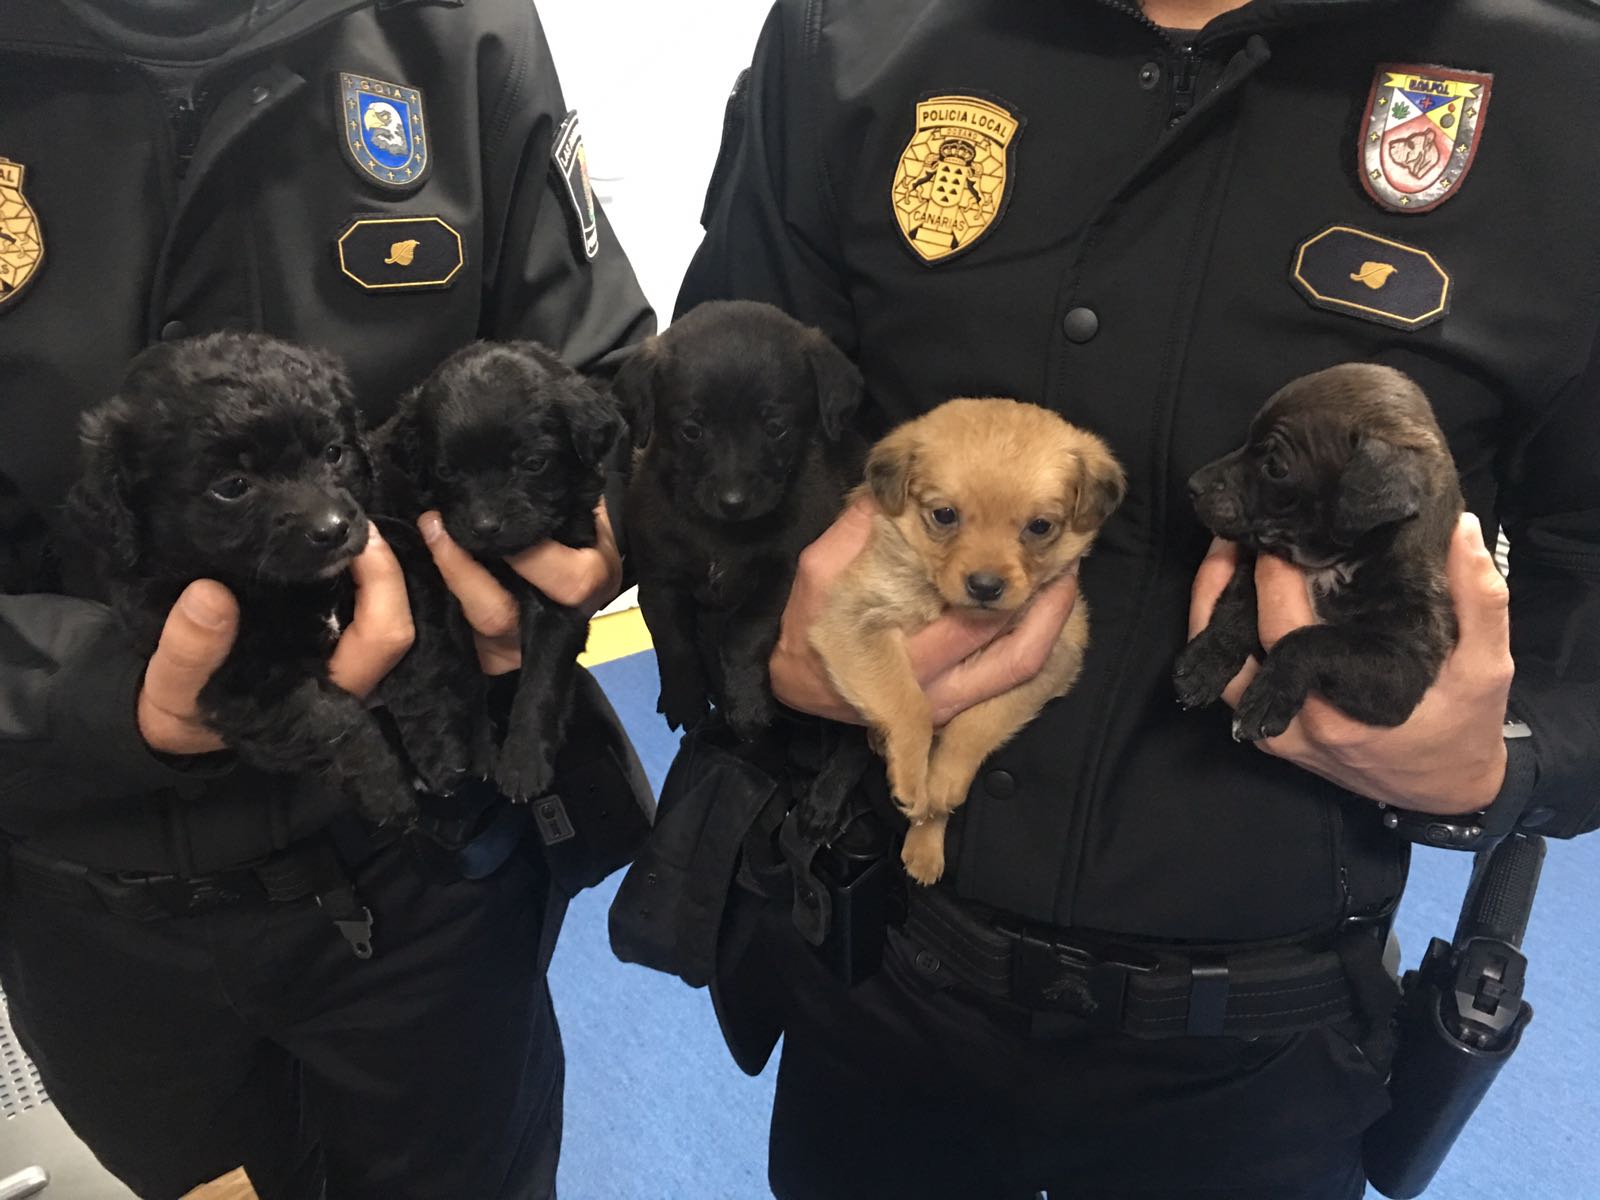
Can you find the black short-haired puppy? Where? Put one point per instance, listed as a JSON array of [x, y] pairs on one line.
[[510, 445], [241, 458], [1347, 475], [743, 417]]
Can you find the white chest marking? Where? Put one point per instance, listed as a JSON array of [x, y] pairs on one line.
[[334, 627], [1326, 581]]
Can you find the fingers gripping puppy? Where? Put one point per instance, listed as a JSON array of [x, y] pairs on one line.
[[982, 503]]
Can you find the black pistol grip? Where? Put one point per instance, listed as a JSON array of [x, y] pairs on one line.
[[1500, 897]]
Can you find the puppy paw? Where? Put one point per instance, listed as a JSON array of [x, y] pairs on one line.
[[442, 764], [947, 789], [525, 769], [385, 802], [923, 852], [1264, 711], [684, 708], [748, 716], [1202, 672]]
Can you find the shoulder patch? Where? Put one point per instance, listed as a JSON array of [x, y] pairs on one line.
[[571, 163], [1360, 274], [384, 131], [1421, 134], [952, 182], [387, 254], [21, 240]]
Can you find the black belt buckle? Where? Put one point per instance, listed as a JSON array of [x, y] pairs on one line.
[[1049, 975]]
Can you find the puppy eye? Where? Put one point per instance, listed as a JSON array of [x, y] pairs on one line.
[[945, 516], [333, 455], [232, 488], [1274, 467], [777, 430], [690, 432], [1040, 527]]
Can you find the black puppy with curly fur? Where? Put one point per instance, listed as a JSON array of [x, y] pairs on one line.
[[1347, 475], [510, 445], [240, 458]]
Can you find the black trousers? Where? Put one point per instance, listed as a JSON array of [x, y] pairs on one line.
[[180, 1049], [911, 1088]]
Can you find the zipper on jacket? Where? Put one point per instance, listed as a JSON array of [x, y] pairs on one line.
[[183, 117], [1184, 73], [1183, 64]]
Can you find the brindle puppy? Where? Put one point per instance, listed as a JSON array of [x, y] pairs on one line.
[[1347, 475]]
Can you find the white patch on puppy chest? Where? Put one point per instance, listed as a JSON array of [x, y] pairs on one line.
[[1326, 581], [333, 624]]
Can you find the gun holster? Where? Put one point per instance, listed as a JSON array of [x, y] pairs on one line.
[[1461, 1018]]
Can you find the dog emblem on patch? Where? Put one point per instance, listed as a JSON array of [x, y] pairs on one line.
[[21, 243], [385, 131], [950, 185], [1421, 134]]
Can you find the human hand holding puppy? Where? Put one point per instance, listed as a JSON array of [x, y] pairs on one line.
[[959, 662], [200, 631], [585, 579], [1449, 757]]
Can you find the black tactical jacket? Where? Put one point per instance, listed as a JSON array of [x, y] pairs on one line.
[[252, 205], [1054, 202]]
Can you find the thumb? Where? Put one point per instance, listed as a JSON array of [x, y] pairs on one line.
[[194, 642], [1482, 602]]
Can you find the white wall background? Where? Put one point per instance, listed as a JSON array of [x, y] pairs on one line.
[[650, 80]]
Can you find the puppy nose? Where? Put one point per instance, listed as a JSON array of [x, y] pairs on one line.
[[328, 529], [1197, 485], [985, 587], [485, 524], [733, 502]]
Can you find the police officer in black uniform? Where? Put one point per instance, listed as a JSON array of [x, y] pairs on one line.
[[1153, 967], [388, 179]]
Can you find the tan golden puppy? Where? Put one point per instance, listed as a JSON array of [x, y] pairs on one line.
[[982, 503]]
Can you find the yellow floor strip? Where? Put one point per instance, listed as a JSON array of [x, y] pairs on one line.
[[615, 636]]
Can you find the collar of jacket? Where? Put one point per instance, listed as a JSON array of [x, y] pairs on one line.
[[42, 27], [1267, 14]]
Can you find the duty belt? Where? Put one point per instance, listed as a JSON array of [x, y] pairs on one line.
[[320, 868], [1149, 992]]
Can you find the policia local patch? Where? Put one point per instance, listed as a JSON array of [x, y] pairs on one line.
[[950, 187], [1360, 274], [21, 243]]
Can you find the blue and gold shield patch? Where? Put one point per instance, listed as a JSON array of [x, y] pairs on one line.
[[385, 131]]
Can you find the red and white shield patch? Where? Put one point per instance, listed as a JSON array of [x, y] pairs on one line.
[[1421, 134]]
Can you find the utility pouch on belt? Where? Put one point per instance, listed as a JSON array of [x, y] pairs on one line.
[[599, 813], [668, 911], [1462, 1018]]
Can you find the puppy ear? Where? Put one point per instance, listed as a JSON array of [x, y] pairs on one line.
[[594, 423], [889, 467], [635, 388], [101, 502], [840, 389], [1381, 483], [1101, 487], [404, 448]]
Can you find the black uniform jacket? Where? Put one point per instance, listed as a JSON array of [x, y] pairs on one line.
[[159, 217], [1057, 203]]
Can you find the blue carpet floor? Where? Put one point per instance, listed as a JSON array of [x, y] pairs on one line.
[[657, 1111]]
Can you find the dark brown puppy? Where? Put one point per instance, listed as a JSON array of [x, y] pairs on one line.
[[1347, 475], [742, 414]]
